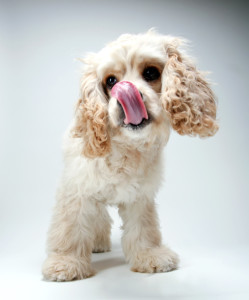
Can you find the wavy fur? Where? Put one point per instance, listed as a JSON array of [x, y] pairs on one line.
[[91, 118], [187, 97], [110, 163]]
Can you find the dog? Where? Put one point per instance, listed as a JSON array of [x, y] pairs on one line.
[[133, 92]]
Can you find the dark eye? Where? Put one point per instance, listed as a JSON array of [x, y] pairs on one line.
[[151, 73], [110, 82]]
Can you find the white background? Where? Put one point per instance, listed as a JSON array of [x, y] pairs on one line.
[[203, 204]]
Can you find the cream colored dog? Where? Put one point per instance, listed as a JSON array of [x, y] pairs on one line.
[[132, 92]]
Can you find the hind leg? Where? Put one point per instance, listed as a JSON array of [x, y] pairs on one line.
[[102, 230]]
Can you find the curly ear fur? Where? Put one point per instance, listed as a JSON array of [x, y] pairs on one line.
[[187, 97], [91, 118]]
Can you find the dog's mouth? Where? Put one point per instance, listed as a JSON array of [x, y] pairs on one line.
[[141, 125], [131, 102]]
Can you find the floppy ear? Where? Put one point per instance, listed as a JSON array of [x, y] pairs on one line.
[[91, 117], [186, 96]]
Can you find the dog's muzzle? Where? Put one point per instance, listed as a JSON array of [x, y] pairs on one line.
[[131, 102]]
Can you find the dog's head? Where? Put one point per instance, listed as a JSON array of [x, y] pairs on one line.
[[134, 88]]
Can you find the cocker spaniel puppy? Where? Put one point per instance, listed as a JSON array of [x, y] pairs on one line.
[[132, 92]]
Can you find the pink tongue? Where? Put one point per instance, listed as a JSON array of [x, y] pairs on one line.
[[131, 101]]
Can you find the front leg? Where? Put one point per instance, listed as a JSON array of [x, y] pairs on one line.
[[142, 239], [70, 238]]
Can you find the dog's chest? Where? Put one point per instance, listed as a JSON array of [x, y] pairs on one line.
[[122, 178]]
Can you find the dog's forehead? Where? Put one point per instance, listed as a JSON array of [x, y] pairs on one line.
[[136, 46], [132, 50]]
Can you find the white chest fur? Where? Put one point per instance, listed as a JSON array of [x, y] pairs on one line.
[[125, 175]]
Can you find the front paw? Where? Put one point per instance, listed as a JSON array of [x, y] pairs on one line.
[[155, 260], [66, 268]]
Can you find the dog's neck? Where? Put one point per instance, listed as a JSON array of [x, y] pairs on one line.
[[138, 159]]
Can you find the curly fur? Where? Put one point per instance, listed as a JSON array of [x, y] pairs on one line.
[[110, 163], [91, 119], [188, 98]]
